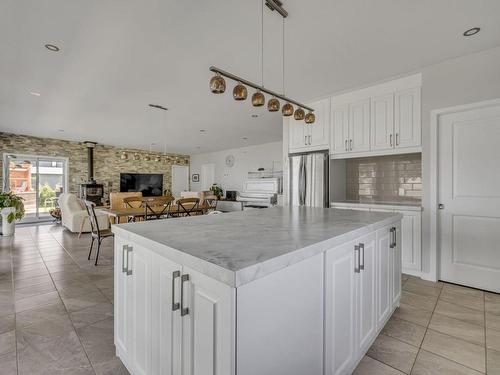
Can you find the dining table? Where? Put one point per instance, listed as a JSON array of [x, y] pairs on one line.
[[139, 212]]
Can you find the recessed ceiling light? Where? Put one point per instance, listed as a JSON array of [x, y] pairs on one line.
[[34, 93], [202, 130], [52, 47], [472, 31], [254, 116]]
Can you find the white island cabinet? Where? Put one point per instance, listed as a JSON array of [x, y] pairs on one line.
[[284, 290]]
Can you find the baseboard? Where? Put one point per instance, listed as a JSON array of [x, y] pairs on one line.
[[428, 276], [411, 272]]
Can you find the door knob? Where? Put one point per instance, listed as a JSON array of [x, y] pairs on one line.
[[441, 206]]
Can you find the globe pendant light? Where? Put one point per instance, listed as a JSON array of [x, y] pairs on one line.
[[299, 114], [240, 92], [258, 99], [310, 118], [217, 84], [273, 105], [287, 109]]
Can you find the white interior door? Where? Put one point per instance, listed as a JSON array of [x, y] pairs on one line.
[[207, 176], [469, 180], [180, 179]]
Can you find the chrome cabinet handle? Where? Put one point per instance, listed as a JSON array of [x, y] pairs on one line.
[[124, 269], [129, 270], [397, 139], [390, 137], [351, 144], [175, 305], [356, 256], [346, 145], [309, 140], [391, 245], [305, 139], [362, 249], [184, 310], [395, 238]]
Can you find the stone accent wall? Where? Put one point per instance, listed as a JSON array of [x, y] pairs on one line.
[[107, 160], [391, 178]]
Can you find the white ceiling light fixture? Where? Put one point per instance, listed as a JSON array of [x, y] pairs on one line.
[[472, 31], [34, 93]]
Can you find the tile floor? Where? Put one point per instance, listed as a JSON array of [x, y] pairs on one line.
[[441, 329], [56, 316]]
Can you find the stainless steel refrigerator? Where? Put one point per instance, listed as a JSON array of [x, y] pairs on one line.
[[309, 179]]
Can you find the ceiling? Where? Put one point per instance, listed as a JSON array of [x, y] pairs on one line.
[[117, 56]]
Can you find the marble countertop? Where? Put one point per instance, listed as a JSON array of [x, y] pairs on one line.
[[406, 206], [239, 247]]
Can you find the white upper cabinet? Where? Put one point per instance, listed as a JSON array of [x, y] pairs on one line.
[[377, 120], [339, 132], [382, 122], [359, 126], [407, 121], [310, 137]]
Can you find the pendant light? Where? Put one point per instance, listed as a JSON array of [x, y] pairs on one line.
[[310, 118], [287, 109], [258, 98], [217, 84], [240, 92], [273, 105], [299, 114]]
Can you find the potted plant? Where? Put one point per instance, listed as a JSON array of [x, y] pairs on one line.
[[217, 191], [11, 209]]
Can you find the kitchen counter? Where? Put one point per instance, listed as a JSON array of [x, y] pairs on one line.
[[405, 206], [239, 247]]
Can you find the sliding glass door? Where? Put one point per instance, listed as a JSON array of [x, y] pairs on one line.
[[38, 179]]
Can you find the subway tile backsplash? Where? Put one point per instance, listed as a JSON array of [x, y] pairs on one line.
[[390, 178]]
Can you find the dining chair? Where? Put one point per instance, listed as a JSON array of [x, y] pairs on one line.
[[188, 206], [96, 233], [133, 202], [157, 207]]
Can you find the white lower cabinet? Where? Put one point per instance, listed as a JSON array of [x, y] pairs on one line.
[[170, 319], [318, 316], [358, 298]]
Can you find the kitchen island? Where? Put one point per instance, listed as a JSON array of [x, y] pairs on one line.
[[283, 290]]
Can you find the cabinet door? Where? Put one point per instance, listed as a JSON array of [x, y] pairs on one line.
[[411, 241], [208, 326], [382, 122], [140, 266], [298, 135], [166, 317], [340, 309], [319, 130], [396, 267], [384, 298], [407, 118], [366, 296], [339, 129], [121, 302], [359, 126]]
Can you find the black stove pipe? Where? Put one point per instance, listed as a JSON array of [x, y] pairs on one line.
[[90, 160]]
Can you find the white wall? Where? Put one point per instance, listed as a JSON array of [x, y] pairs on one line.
[[462, 80], [246, 159]]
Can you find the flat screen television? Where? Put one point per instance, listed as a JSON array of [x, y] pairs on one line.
[[150, 184]]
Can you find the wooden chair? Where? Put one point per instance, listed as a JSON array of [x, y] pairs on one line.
[[116, 201], [188, 206], [133, 202], [157, 207], [97, 234]]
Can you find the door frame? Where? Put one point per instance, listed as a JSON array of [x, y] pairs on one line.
[[435, 251], [5, 175]]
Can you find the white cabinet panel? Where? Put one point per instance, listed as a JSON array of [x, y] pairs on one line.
[[384, 298], [297, 134], [411, 241], [359, 126], [122, 302], [140, 268], [166, 318], [396, 266], [366, 296], [319, 130], [407, 118], [208, 327], [339, 130], [382, 122], [340, 309]]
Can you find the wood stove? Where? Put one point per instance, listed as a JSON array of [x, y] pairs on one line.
[[91, 191]]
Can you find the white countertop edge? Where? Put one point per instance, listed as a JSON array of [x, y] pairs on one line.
[[386, 206], [246, 275]]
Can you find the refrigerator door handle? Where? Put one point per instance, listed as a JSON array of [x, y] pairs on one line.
[[303, 179]]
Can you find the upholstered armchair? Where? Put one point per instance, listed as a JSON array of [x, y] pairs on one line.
[[73, 213]]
